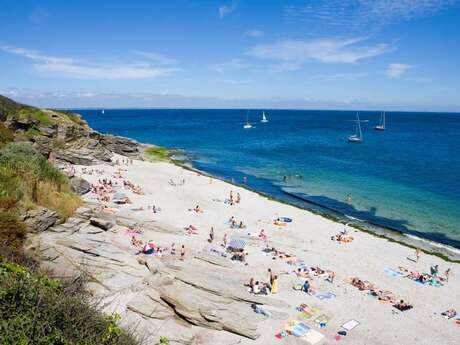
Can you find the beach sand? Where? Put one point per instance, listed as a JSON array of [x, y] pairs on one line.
[[308, 237]]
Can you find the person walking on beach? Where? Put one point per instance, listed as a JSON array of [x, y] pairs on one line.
[[231, 197], [271, 277], [238, 198], [447, 274], [417, 254], [224, 241], [173, 249], [211, 235], [182, 253]]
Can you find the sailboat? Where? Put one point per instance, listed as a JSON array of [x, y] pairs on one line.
[[358, 136], [247, 125], [102, 111], [381, 125], [264, 118]]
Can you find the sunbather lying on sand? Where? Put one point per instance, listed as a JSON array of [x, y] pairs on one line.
[[191, 230], [449, 313], [361, 285], [403, 306]]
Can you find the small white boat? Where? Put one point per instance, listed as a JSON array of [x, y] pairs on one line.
[[381, 125], [102, 112], [358, 136], [264, 118], [247, 125]]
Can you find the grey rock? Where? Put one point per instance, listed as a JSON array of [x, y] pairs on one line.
[[40, 219], [79, 185], [214, 259], [120, 145], [148, 307], [104, 224]]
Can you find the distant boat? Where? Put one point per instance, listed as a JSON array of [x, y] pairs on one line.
[[381, 125], [264, 118], [358, 136], [102, 112], [247, 125]]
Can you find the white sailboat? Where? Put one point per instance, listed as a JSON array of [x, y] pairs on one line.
[[102, 111], [247, 125], [381, 125], [264, 118], [358, 136]]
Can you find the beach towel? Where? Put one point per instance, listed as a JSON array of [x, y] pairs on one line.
[[322, 320], [300, 329], [349, 325], [393, 273], [313, 337], [323, 296]]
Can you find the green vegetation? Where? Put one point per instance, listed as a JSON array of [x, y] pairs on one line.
[[158, 153], [27, 179], [73, 117], [163, 341], [6, 135], [36, 309]]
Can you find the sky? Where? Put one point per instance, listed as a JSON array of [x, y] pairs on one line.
[[305, 54]]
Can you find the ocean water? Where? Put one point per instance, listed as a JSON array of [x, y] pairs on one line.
[[405, 178]]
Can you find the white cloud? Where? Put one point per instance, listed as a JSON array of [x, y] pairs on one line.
[[294, 53], [254, 33], [339, 76], [395, 70], [352, 15], [155, 58], [227, 9], [232, 65], [74, 68]]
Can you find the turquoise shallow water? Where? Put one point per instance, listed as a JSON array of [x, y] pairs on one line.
[[405, 178]]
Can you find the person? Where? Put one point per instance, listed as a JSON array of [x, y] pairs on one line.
[[271, 276], [182, 252], [231, 197], [224, 241], [245, 180], [274, 284], [434, 270], [262, 235], [284, 178], [331, 277], [256, 288], [401, 305], [211, 235], [173, 249], [447, 274], [306, 286], [417, 254], [349, 200], [238, 198]]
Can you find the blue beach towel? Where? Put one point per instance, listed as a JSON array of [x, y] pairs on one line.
[[392, 273], [327, 295]]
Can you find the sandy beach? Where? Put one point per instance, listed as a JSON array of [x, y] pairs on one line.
[[307, 243]]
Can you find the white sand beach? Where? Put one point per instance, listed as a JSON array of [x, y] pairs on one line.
[[307, 239]]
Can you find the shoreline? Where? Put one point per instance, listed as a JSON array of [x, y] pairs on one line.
[[428, 246]]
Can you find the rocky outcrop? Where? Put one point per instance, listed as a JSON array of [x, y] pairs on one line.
[[104, 224], [40, 219], [120, 145], [79, 185]]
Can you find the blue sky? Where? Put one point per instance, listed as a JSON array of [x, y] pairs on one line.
[[338, 54]]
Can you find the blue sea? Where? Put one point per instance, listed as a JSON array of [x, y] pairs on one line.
[[405, 178]]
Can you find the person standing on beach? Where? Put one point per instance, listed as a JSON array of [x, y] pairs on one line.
[[447, 274], [173, 249], [211, 235], [224, 241], [182, 252], [417, 254], [238, 198], [271, 277]]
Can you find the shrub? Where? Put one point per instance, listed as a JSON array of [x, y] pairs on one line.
[[27, 178], [36, 309]]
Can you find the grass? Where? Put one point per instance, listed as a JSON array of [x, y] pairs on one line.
[[158, 153], [6, 135]]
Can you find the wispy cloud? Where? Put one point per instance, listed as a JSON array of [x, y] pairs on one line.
[[395, 70], [155, 58], [339, 76], [75, 68], [227, 9], [254, 33], [39, 15], [232, 65], [294, 53], [235, 81], [356, 14]]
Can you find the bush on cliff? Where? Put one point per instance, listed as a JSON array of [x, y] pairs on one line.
[[28, 179], [35, 309]]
